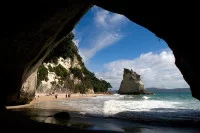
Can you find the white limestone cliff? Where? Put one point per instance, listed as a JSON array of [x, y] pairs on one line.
[[131, 83], [47, 86]]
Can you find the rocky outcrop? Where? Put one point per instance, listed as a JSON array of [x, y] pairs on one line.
[[46, 86], [53, 83], [75, 63], [131, 83], [27, 92]]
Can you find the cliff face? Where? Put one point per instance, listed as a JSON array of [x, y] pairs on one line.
[[64, 71], [57, 83], [131, 83]]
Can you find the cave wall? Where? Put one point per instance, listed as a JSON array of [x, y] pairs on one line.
[[31, 29], [27, 92]]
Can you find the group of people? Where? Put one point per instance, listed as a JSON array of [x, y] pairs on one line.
[[67, 95]]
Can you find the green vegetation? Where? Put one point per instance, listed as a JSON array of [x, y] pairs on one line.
[[69, 84], [81, 88], [53, 82], [42, 74], [77, 73], [77, 88], [101, 85], [60, 71], [87, 83], [50, 68], [67, 49], [97, 85]]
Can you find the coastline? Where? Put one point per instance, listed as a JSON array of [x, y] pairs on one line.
[[36, 117], [43, 97]]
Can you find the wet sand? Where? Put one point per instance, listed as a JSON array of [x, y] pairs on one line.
[[25, 118], [42, 97], [39, 115]]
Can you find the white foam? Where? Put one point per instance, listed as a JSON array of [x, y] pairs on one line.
[[128, 97], [83, 113], [112, 107], [116, 94], [145, 98]]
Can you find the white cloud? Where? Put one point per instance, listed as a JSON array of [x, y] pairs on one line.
[[108, 20], [76, 42], [156, 70], [102, 41], [108, 26]]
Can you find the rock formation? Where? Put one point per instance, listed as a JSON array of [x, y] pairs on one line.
[[27, 92], [63, 71], [131, 83], [53, 83], [31, 31]]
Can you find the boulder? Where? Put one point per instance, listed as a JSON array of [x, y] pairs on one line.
[[62, 116], [131, 83]]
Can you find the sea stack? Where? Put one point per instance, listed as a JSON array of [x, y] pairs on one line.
[[131, 83]]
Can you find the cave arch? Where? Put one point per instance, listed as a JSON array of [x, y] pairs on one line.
[[31, 36]]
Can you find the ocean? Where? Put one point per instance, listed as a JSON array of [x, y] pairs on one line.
[[168, 111]]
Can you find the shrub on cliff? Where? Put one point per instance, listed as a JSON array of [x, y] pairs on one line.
[[60, 71], [77, 72], [65, 49], [42, 74], [98, 85]]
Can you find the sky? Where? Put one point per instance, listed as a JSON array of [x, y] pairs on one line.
[[109, 42]]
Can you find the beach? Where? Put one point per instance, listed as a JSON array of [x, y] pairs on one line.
[[44, 97], [170, 112], [34, 116]]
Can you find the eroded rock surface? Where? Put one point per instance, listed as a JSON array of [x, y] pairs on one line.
[[131, 83], [30, 31]]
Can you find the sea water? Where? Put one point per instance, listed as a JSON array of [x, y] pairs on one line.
[[158, 107], [159, 112]]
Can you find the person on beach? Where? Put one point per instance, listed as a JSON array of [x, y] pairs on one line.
[[36, 98], [68, 95], [56, 96]]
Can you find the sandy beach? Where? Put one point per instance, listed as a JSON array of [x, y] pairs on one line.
[[39, 114], [43, 97]]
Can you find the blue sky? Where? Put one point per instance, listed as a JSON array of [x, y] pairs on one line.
[[109, 42]]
